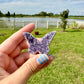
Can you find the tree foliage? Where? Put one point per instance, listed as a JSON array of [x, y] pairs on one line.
[[50, 14], [14, 14], [1, 14], [64, 16], [8, 14], [42, 13]]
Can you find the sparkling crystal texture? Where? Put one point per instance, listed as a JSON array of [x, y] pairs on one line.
[[36, 46]]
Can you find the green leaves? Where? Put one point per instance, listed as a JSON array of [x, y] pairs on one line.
[[64, 16]]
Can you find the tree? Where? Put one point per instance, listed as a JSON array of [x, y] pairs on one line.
[[14, 14], [64, 16], [43, 13], [50, 14], [57, 15], [8, 14], [1, 14]]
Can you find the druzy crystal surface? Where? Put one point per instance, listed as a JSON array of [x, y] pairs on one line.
[[36, 46]]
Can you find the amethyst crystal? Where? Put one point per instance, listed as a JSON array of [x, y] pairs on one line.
[[36, 46]]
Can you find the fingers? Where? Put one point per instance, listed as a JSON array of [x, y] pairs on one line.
[[29, 67], [12, 66], [18, 49], [23, 57], [23, 45], [10, 44], [51, 58]]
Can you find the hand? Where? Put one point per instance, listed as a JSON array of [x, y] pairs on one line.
[[17, 67]]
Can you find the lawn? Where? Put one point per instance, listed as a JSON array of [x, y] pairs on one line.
[[68, 65]]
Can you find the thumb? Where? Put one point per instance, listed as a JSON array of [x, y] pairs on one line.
[[28, 68]]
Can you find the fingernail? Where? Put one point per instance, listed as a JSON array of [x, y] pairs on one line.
[[51, 55], [43, 58]]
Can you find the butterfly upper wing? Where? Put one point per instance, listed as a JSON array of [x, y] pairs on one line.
[[48, 38], [32, 42], [30, 38]]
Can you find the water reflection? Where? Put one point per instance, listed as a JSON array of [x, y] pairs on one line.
[[41, 22]]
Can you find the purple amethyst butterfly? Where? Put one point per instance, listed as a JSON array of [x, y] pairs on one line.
[[36, 46]]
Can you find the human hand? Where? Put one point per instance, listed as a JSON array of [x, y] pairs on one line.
[[17, 67]]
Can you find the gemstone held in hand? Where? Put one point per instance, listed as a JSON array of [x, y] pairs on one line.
[[36, 46]]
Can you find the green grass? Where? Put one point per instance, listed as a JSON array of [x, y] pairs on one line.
[[74, 17], [7, 32], [68, 65]]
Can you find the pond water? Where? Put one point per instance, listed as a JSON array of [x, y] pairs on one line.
[[41, 22], [34, 19]]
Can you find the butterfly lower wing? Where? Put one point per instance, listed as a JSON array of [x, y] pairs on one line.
[[43, 49], [32, 49]]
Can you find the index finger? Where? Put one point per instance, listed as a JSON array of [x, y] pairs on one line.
[[11, 43]]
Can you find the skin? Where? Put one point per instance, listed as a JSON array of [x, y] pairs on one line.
[[17, 67]]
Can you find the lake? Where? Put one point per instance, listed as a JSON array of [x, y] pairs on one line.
[[34, 19], [41, 22]]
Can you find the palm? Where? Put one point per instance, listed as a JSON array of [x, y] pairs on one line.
[[7, 63]]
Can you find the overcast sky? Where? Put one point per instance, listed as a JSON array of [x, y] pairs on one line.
[[76, 7]]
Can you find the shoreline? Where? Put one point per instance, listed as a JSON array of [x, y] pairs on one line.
[[70, 17]]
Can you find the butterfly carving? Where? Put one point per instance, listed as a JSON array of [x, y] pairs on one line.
[[36, 46]]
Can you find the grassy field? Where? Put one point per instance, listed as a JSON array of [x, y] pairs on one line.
[[78, 17], [68, 65]]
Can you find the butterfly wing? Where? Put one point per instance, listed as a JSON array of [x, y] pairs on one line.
[[48, 38], [41, 47], [44, 48], [32, 42]]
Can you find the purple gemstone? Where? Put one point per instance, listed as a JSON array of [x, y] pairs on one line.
[[36, 46]]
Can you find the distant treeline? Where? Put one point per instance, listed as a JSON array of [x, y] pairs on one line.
[[8, 14], [42, 13]]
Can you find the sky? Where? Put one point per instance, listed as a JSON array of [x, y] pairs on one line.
[[76, 7]]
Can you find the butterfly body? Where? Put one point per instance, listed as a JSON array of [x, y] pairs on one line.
[[36, 46]]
